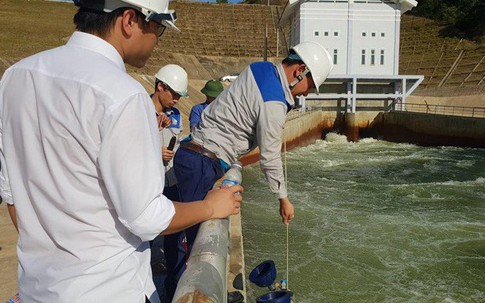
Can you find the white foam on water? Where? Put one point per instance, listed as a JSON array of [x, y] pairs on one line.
[[480, 180], [375, 222], [334, 137]]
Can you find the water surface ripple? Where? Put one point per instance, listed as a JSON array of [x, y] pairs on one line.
[[375, 222]]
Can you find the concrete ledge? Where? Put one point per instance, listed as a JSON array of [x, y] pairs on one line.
[[428, 130]]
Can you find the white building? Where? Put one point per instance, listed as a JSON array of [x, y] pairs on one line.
[[362, 36]]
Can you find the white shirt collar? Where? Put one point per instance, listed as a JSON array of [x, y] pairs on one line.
[[98, 45]]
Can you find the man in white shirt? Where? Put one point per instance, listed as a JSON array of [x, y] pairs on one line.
[[81, 165]]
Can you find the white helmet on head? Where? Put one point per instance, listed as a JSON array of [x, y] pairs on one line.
[[316, 58], [156, 10], [175, 77]]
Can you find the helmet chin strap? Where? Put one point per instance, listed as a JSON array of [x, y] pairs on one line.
[[299, 78]]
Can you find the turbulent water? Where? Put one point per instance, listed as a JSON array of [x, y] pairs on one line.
[[375, 222]]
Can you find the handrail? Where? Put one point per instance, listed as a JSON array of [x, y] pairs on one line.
[[450, 110], [294, 114]]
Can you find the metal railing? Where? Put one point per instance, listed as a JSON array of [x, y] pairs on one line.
[[449, 110], [295, 114]]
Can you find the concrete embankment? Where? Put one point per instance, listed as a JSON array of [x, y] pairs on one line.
[[396, 126], [428, 130]]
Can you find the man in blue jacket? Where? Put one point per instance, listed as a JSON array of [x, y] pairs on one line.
[[249, 114], [211, 90]]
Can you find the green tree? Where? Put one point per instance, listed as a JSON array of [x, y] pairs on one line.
[[473, 21], [465, 18]]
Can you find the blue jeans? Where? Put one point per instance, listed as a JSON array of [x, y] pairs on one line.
[[196, 175]]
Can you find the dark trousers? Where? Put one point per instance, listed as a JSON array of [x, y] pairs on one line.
[[196, 175]]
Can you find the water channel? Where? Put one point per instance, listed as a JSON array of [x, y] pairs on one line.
[[375, 222]]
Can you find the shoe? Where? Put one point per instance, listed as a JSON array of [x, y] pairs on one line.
[[235, 297], [238, 282]]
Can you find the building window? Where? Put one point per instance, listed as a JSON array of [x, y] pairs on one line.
[[372, 57], [335, 34], [382, 57], [383, 35], [364, 34], [373, 34], [335, 53], [362, 60], [325, 34], [316, 33]]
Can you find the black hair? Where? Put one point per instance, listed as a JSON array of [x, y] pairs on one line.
[[97, 22], [289, 61], [156, 83]]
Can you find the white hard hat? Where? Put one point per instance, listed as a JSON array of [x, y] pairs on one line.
[[175, 77], [316, 58], [156, 10]]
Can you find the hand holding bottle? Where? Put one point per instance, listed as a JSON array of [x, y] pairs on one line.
[[224, 201], [233, 176]]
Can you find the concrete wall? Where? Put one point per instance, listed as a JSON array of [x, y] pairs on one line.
[[423, 129], [411, 127], [475, 100], [428, 130]]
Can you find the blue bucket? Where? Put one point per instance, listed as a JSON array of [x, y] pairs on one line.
[[264, 274], [281, 296]]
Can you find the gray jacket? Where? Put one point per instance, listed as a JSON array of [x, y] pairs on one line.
[[250, 113]]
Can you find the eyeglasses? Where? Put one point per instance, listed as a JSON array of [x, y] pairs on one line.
[[175, 95], [161, 28]]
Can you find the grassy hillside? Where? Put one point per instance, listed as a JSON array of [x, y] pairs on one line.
[[31, 26], [448, 64], [217, 39]]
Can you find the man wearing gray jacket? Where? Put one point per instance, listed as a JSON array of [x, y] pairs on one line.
[[250, 113]]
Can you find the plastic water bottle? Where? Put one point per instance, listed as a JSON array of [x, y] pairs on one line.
[[233, 176], [284, 283]]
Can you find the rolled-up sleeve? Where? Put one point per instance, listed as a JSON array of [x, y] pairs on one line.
[[131, 167], [5, 190]]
